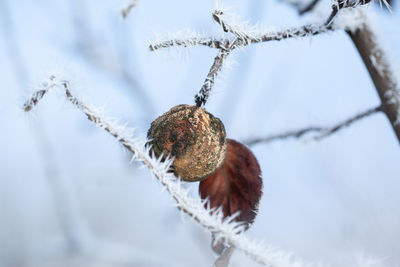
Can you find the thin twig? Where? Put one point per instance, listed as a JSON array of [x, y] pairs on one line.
[[239, 30], [244, 38], [346, 123], [332, 16], [224, 258], [303, 31], [310, 7], [320, 132], [343, 4], [202, 96], [283, 136], [224, 43], [225, 46], [125, 11], [225, 228], [34, 99], [217, 17], [202, 41]]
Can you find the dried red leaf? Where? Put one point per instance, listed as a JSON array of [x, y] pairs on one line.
[[236, 185]]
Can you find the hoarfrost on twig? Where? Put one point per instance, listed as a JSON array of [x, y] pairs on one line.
[[211, 219], [202, 96]]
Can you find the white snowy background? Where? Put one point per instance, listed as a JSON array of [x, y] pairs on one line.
[[68, 195]]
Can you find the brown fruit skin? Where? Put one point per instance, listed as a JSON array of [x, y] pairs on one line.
[[194, 137], [236, 185]]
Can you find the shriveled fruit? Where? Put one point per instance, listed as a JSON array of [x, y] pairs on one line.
[[194, 137]]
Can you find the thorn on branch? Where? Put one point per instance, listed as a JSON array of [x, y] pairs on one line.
[[319, 132]]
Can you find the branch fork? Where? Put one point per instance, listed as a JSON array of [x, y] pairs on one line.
[[244, 35]]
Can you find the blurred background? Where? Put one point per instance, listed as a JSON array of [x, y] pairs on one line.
[[68, 195]]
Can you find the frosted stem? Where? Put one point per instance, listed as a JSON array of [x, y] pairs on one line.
[[382, 75], [224, 258], [202, 96], [225, 43], [319, 131], [213, 220]]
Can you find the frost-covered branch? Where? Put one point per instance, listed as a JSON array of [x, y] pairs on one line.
[[47, 85], [359, 26], [224, 258], [213, 220], [244, 35], [202, 96], [226, 43], [318, 131], [241, 37], [343, 4], [381, 70], [340, 4], [231, 23], [191, 41]]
